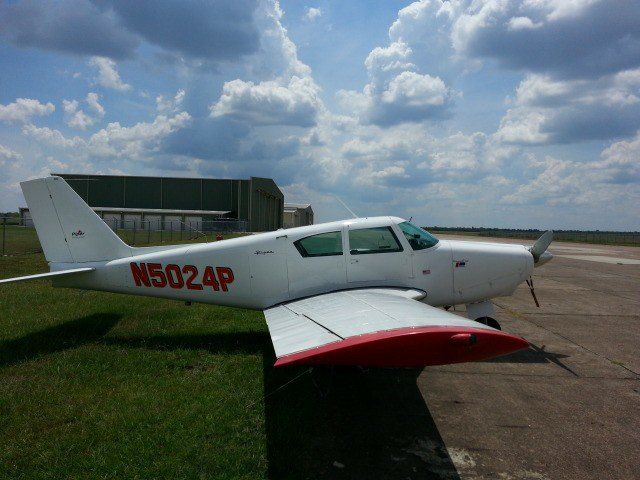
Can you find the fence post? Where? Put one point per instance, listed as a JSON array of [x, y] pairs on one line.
[[4, 234], [134, 232]]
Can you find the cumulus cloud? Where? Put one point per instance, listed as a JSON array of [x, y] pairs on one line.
[[107, 74], [23, 109], [398, 92], [8, 156], [277, 55], [312, 14], [270, 103], [51, 137], [211, 31], [72, 26], [409, 97], [207, 31], [93, 100], [169, 105], [75, 117], [391, 100], [383, 63], [621, 161], [138, 142], [550, 110], [579, 39]]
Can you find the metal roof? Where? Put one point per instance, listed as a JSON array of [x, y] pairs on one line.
[[295, 206]]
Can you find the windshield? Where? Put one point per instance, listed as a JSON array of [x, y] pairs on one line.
[[417, 237]]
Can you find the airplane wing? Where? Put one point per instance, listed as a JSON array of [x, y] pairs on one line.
[[379, 327], [40, 276]]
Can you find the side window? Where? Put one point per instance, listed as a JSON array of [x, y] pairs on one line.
[[321, 245], [373, 240]]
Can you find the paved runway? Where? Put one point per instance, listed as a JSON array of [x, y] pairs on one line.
[[568, 408]]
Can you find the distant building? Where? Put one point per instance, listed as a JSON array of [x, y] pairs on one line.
[[254, 204], [297, 215]]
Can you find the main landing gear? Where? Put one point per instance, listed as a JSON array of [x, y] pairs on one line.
[[483, 312], [491, 322]]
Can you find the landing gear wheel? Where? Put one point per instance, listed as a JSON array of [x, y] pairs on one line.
[[491, 322]]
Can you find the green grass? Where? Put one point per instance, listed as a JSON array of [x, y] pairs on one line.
[[98, 385], [104, 386], [18, 240]]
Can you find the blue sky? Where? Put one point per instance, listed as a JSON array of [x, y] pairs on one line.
[[494, 113]]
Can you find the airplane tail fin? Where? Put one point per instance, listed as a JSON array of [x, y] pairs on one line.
[[68, 230]]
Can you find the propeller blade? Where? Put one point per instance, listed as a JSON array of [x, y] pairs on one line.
[[541, 245]]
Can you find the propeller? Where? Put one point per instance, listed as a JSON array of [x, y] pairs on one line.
[[539, 248], [540, 257]]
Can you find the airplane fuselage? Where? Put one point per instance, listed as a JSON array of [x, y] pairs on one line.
[[262, 270]]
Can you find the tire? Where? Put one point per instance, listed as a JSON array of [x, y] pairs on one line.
[[491, 322]]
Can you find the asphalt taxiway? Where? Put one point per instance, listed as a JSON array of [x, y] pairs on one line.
[[567, 408]]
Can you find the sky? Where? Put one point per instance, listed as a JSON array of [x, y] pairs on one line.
[[504, 113]]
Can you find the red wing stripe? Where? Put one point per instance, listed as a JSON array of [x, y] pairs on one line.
[[411, 347]]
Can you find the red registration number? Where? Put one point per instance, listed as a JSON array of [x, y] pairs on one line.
[[174, 276]]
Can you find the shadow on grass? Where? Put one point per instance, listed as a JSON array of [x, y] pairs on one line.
[[68, 335]]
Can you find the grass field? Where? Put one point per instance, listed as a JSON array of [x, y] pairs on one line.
[[98, 385], [106, 386]]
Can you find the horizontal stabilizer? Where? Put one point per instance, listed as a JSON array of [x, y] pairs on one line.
[[40, 276]]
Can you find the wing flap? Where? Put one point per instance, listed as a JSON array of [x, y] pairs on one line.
[[40, 276], [379, 327], [292, 332]]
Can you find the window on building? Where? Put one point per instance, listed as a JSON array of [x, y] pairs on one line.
[[321, 245], [418, 238], [373, 240]]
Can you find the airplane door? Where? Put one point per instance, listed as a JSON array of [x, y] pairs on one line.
[[375, 256], [316, 264]]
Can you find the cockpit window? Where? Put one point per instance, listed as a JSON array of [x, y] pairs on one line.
[[321, 245], [418, 238]]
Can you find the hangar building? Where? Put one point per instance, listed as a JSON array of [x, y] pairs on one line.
[[297, 215], [256, 204]]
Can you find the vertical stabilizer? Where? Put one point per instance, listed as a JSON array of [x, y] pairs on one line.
[[69, 231]]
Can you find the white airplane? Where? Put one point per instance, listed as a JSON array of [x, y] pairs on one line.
[[363, 291]]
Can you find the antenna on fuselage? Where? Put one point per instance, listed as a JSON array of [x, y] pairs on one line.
[[345, 206]]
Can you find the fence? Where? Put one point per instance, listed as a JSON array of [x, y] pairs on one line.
[[17, 240]]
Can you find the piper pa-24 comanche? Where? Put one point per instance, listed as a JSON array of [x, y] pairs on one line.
[[363, 291]]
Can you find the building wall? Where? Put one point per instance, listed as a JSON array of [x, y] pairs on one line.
[[267, 205], [256, 200], [297, 216]]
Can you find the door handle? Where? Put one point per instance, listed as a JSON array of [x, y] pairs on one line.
[[354, 261]]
